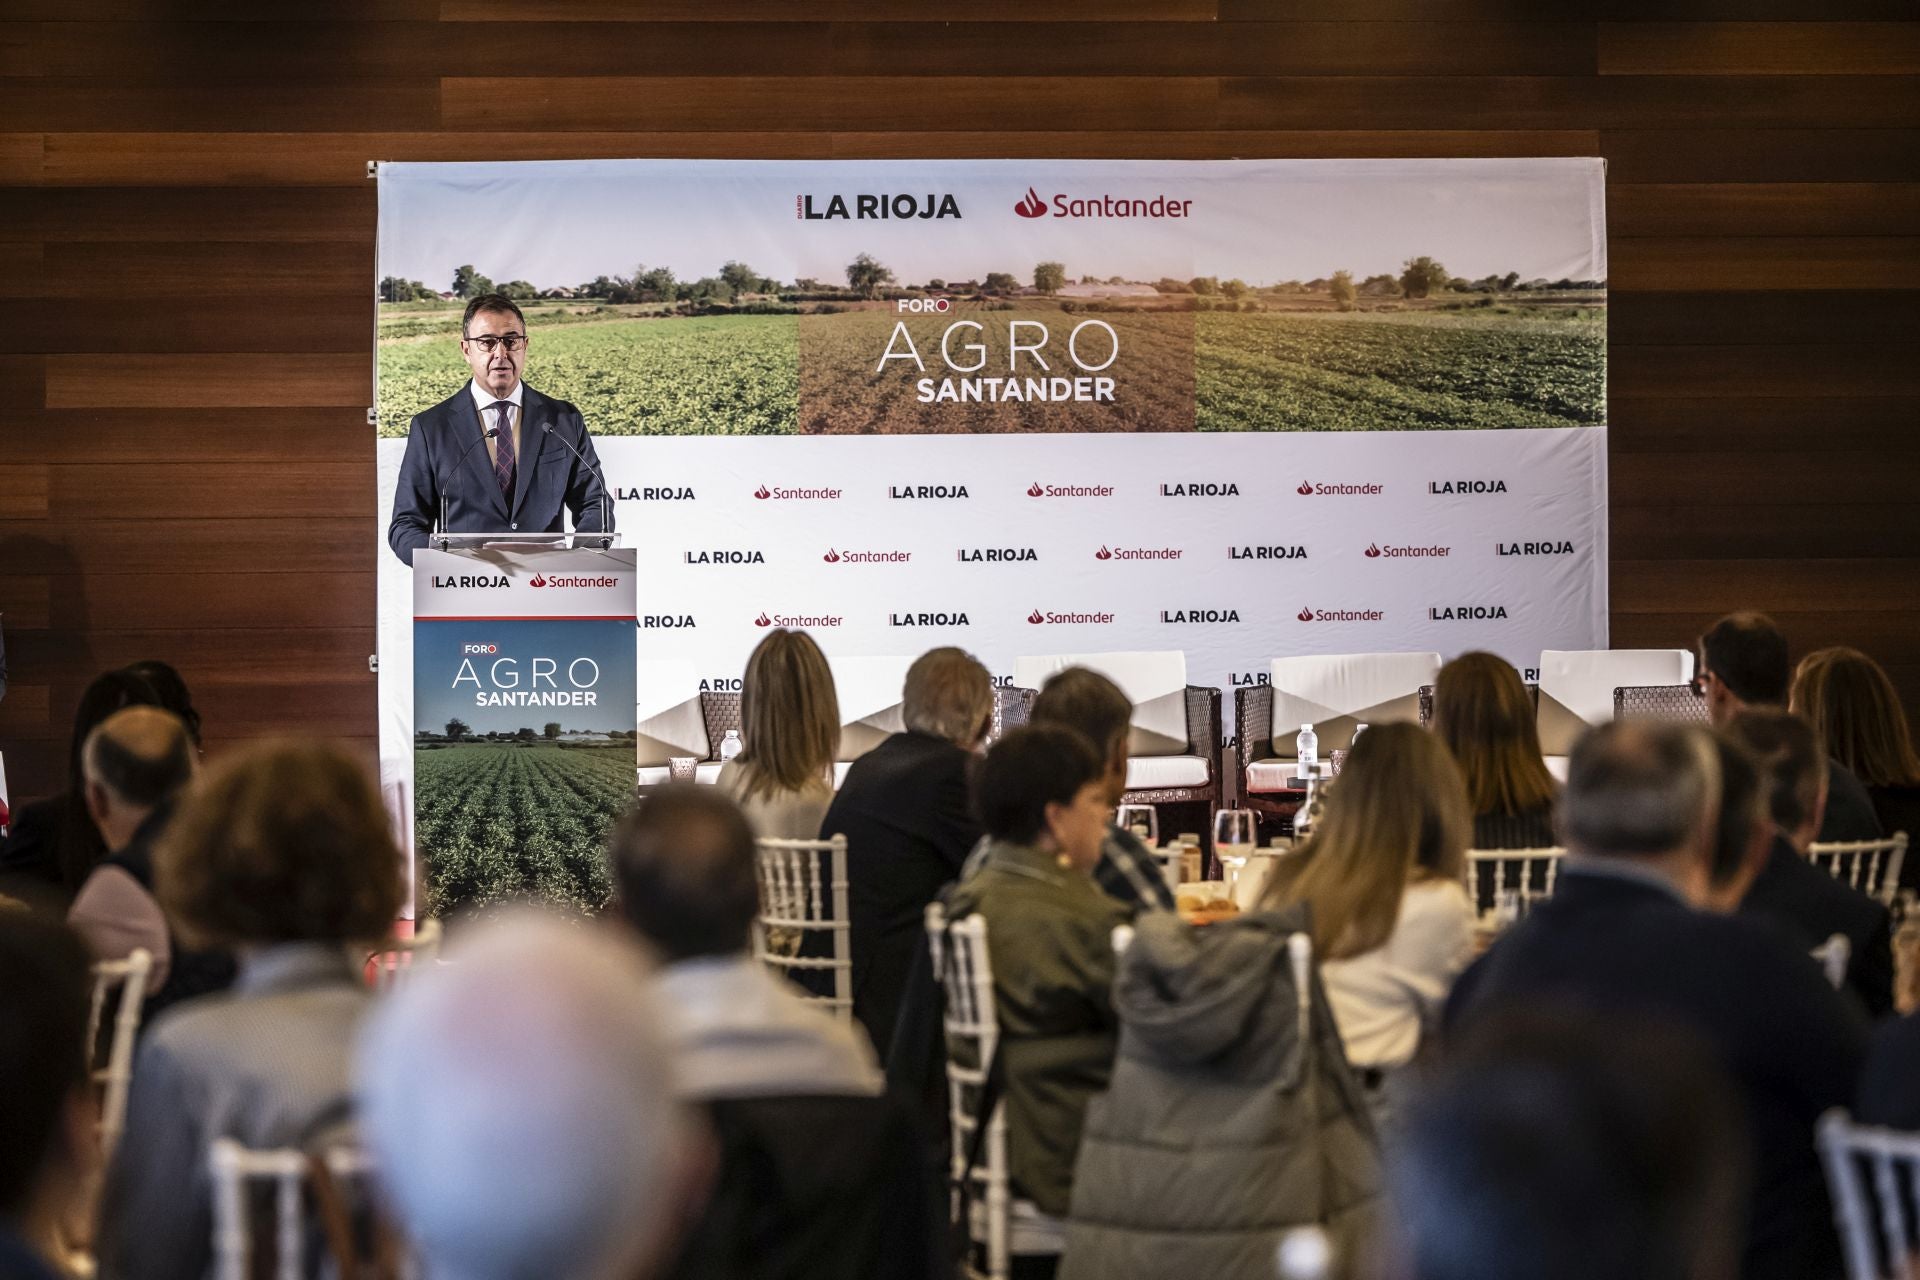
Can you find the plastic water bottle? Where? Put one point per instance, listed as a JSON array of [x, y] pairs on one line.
[[730, 745], [1306, 751], [1358, 729]]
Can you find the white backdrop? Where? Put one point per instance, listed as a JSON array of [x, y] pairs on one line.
[[1236, 546]]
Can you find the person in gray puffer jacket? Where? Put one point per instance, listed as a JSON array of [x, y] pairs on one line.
[[1232, 1117]]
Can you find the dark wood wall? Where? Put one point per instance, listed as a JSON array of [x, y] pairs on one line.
[[186, 254]]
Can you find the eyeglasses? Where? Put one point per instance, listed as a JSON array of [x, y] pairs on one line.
[[489, 343]]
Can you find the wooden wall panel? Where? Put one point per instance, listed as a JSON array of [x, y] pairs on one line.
[[186, 241]]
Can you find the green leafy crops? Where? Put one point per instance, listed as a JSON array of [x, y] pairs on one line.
[[499, 821]]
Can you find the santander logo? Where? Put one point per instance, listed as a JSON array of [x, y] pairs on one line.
[[1103, 554], [1305, 615], [763, 621], [1373, 551], [1306, 489], [1036, 617], [536, 581], [1032, 206], [1035, 491], [832, 556], [763, 492]]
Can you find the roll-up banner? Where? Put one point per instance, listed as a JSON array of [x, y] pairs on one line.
[[1241, 409]]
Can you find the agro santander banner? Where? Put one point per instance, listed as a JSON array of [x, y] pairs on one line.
[[523, 714], [1242, 409]]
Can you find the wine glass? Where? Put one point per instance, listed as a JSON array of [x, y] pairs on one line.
[[1141, 821], [1234, 840]]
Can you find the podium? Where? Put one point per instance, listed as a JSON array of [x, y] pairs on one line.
[[524, 719]]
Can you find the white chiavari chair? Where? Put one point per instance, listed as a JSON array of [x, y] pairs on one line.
[[803, 893]]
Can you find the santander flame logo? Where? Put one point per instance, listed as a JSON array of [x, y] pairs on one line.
[[1373, 551], [1306, 489], [1305, 615], [1035, 491], [763, 620], [1103, 554], [536, 581], [763, 492], [1036, 617], [832, 556], [1031, 207]]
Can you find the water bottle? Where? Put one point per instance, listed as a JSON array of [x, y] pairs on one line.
[[1306, 752], [1358, 729], [730, 745]]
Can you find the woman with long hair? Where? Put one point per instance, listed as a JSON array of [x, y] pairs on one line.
[[1391, 922], [1856, 714], [790, 728], [1485, 717]]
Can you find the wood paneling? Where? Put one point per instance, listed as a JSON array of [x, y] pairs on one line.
[[186, 244]]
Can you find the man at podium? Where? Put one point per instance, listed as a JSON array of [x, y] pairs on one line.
[[496, 456]]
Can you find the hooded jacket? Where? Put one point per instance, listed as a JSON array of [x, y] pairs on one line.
[[1232, 1117]]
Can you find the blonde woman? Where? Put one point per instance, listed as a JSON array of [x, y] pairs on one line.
[[1856, 714], [1382, 877], [1482, 712], [790, 726]]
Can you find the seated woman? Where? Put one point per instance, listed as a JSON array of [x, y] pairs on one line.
[[1390, 919], [790, 725], [1041, 796], [1482, 712], [1856, 713], [283, 854]]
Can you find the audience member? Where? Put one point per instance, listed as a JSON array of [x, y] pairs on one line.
[[1743, 664], [172, 692], [684, 875], [1890, 1085], [52, 845], [1622, 934], [1484, 714], [135, 764], [1856, 712], [1576, 1146], [1093, 707], [790, 724], [1743, 833], [1190, 1161], [519, 1105], [819, 1175], [1041, 793], [1391, 923], [47, 1115], [282, 853], [906, 810], [1804, 900]]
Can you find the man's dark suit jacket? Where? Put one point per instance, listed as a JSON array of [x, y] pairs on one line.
[[547, 479], [1790, 1043], [1812, 906], [1890, 1087], [1850, 814], [906, 810]]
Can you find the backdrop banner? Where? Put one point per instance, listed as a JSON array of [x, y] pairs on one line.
[[1242, 409]]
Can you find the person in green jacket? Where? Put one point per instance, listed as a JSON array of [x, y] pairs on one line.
[[1041, 798]]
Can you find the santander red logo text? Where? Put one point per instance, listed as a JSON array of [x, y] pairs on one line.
[[536, 581], [1032, 206]]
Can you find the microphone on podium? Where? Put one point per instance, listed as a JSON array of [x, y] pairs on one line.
[[489, 434], [606, 522]]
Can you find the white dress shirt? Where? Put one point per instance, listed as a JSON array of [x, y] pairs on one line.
[[484, 400]]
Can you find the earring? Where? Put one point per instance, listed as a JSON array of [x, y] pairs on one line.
[[1063, 861]]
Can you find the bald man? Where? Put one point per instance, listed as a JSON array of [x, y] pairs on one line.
[[135, 763]]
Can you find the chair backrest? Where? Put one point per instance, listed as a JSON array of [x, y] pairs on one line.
[[803, 893], [1871, 866], [1428, 691], [237, 1171], [1576, 687], [1334, 692], [1874, 1175], [972, 1027], [1658, 702], [1503, 883], [394, 962], [720, 708], [129, 976], [1012, 708], [1155, 682]]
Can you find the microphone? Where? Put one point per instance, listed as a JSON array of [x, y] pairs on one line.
[[606, 517], [489, 434]]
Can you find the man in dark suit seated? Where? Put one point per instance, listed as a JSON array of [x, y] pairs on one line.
[[498, 453], [906, 810], [1805, 900], [1742, 664], [1623, 935]]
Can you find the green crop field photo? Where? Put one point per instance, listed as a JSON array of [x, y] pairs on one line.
[[1469, 364], [494, 821]]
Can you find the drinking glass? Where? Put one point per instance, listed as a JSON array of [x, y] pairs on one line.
[[1142, 821], [681, 768], [1234, 840]]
